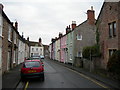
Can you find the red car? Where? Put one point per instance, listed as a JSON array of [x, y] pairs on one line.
[[32, 69]]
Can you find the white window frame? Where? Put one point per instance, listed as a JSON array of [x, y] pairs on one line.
[[9, 33], [79, 37], [79, 54]]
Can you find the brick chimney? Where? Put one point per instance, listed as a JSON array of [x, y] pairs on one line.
[[16, 25], [1, 6], [91, 16], [73, 25]]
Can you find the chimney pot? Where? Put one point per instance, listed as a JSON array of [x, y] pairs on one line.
[[16, 25], [73, 25], [92, 8]]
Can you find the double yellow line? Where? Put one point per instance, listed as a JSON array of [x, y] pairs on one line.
[[26, 85], [96, 82]]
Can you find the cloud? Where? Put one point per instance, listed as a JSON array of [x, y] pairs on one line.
[[46, 18]]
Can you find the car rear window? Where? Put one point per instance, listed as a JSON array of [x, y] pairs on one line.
[[35, 58], [31, 64]]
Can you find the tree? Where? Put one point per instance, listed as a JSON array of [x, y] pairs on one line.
[[94, 51]]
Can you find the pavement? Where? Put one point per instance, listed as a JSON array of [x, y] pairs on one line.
[[12, 78]]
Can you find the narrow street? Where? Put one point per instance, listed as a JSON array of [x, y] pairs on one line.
[[58, 76]]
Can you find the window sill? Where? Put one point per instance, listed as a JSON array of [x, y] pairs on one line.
[[79, 39]]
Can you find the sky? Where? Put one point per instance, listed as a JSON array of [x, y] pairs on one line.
[[46, 18]]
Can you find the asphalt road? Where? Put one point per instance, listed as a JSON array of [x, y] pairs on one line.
[[58, 76]]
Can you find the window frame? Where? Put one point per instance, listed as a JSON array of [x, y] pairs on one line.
[[112, 29], [79, 37], [9, 33]]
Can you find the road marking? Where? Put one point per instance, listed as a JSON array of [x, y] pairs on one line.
[[26, 86], [90, 79]]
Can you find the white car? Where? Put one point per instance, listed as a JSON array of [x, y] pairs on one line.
[[42, 57]]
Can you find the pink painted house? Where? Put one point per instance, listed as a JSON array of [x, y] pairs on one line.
[[63, 49]]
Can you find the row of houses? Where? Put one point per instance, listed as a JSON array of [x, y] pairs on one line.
[[68, 48], [14, 48]]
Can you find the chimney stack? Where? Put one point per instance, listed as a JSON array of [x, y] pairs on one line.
[[27, 38], [1, 6], [67, 29], [53, 40], [60, 35], [73, 25], [40, 40], [91, 16], [16, 25]]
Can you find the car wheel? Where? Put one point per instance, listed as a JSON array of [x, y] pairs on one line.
[[22, 78], [42, 78]]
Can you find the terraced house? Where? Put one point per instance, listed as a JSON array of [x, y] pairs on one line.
[[1, 25], [75, 39], [12, 43], [36, 48], [84, 35]]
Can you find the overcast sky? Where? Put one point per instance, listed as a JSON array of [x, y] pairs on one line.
[[46, 18]]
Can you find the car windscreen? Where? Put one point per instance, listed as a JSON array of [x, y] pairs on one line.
[[31, 64]]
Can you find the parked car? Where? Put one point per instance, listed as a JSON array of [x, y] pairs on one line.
[[42, 57], [32, 69]]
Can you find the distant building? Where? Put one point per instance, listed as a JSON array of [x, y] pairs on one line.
[[46, 51], [36, 48]]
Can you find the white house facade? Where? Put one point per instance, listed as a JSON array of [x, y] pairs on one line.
[[36, 51], [21, 51]]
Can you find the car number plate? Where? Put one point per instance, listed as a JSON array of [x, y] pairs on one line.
[[32, 71]]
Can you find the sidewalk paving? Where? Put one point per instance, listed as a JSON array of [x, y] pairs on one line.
[[12, 78], [111, 83]]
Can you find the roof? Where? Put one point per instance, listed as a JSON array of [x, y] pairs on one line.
[[32, 43], [100, 12]]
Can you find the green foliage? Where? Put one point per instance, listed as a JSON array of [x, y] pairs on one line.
[[93, 51], [114, 63]]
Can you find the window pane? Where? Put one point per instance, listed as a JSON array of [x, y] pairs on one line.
[[110, 30], [114, 28], [79, 37], [31, 64], [110, 53]]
